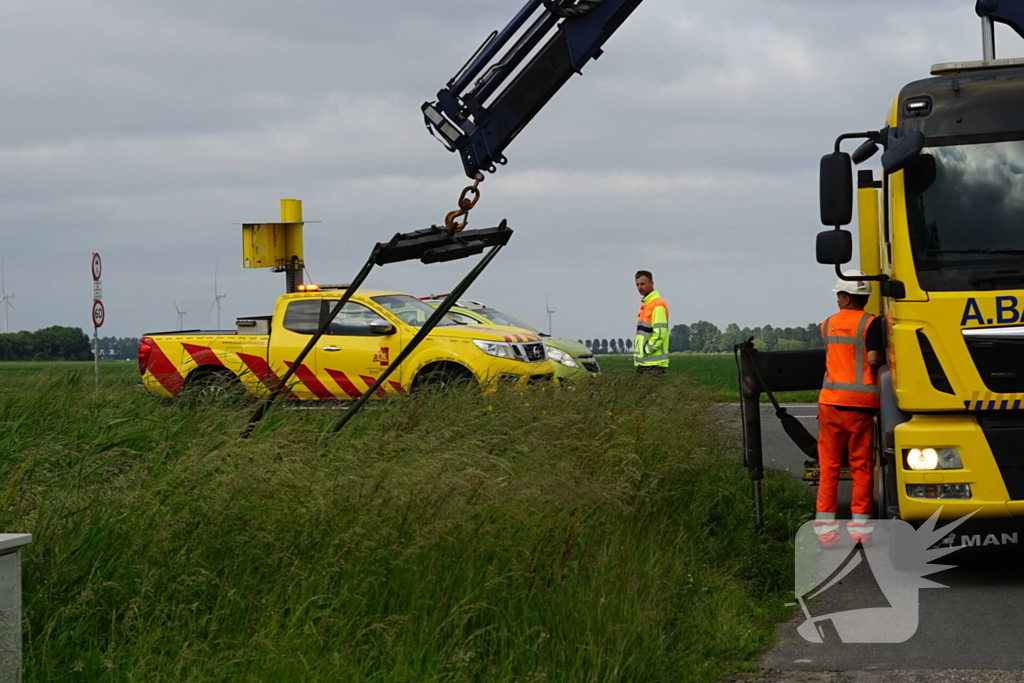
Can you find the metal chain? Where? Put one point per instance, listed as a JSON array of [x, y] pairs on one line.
[[467, 200], [560, 9]]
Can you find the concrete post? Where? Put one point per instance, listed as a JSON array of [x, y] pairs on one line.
[[10, 605]]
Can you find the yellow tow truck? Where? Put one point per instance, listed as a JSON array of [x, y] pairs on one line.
[[940, 233]]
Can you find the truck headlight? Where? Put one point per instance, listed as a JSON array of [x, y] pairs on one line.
[[562, 357], [495, 348], [933, 459]]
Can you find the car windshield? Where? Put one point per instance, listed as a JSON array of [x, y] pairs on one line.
[[965, 209], [410, 310], [499, 318]]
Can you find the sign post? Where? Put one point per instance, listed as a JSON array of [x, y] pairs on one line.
[[98, 313]]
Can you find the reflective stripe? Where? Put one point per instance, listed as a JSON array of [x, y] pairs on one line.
[[643, 334], [661, 326], [652, 359], [843, 386], [855, 341], [858, 373]]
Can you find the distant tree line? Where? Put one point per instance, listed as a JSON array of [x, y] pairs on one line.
[[119, 348], [51, 343], [705, 337]]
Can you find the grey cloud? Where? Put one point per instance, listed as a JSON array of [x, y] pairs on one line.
[[146, 130]]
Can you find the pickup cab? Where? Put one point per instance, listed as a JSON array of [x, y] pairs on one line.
[[362, 340]]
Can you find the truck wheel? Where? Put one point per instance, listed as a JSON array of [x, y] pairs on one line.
[[444, 378], [218, 387]]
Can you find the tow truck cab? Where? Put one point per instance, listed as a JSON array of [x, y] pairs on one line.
[[941, 231]]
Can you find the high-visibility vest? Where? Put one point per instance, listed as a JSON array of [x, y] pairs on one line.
[[650, 346], [849, 380]]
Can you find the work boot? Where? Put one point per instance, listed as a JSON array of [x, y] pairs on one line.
[[827, 530], [860, 532], [830, 540]]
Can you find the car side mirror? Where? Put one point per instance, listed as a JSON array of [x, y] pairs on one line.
[[834, 247], [836, 189], [382, 327]]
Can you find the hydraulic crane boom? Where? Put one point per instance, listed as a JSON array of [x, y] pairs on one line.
[[471, 116]]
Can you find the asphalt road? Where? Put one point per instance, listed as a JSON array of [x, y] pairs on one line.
[[971, 631]]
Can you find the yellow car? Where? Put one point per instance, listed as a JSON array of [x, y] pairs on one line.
[[572, 359]]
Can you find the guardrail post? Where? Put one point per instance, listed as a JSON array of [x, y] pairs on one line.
[[10, 605]]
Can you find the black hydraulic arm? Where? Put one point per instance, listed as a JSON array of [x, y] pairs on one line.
[[475, 117]]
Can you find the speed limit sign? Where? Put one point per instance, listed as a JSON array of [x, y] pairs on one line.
[[97, 313], [97, 266]]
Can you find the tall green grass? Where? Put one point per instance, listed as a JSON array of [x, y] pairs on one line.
[[603, 533]]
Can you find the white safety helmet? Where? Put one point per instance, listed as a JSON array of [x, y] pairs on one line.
[[853, 286]]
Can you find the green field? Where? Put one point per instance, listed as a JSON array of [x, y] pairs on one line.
[[715, 374], [602, 533]]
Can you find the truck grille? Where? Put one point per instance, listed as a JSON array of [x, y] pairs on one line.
[[999, 359], [530, 352], [1005, 435]]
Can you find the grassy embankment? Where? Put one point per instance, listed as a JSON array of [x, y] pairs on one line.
[[714, 373], [599, 534]]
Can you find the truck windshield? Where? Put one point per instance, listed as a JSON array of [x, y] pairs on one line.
[[965, 209], [409, 309]]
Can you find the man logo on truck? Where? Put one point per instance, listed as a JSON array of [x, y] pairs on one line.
[[383, 357]]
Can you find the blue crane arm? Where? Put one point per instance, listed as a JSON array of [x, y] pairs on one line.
[[475, 117], [1009, 12]]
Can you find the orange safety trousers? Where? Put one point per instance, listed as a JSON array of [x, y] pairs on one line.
[[839, 432]]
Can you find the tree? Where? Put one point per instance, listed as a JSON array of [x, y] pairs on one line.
[[679, 339], [790, 345], [732, 336], [588, 345], [629, 346], [50, 343], [604, 346], [814, 336], [705, 337]]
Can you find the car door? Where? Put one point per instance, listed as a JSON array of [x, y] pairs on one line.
[[301, 320], [352, 355]]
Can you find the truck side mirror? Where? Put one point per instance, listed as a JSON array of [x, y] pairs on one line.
[[836, 189], [381, 327], [902, 150], [834, 247]]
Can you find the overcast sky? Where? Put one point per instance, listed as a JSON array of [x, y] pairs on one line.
[[146, 131]]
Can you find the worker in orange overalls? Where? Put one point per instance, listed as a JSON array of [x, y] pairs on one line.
[[847, 404]]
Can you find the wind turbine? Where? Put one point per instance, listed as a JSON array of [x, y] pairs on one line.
[[5, 298], [181, 315], [550, 314], [216, 298]]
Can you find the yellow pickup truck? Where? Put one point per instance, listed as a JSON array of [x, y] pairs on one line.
[[364, 338]]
